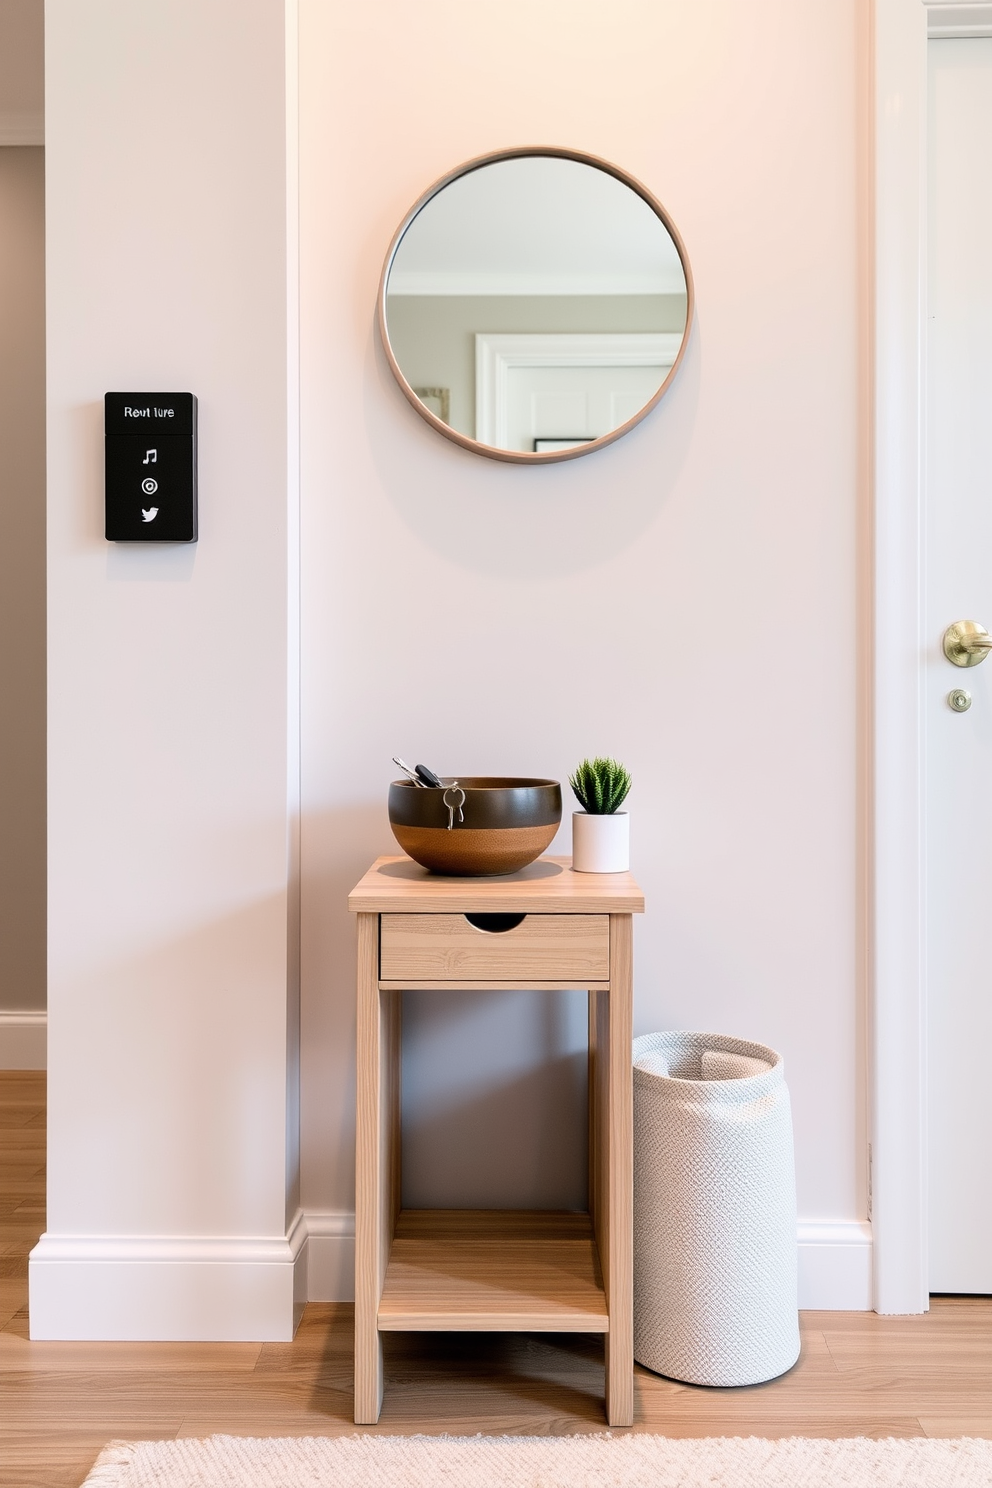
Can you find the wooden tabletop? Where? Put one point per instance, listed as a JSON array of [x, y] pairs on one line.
[[548, 886]]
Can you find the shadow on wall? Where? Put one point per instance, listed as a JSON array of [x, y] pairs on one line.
[[494, 1100], [338, 844], [525, 522]]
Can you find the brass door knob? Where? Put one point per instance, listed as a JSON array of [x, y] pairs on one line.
[[966, 643]]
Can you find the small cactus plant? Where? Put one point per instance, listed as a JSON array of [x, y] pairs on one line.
[[600, 786]]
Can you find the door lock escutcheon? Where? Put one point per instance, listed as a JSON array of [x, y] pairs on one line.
[[966, 643]]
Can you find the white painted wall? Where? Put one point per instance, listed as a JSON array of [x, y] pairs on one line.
[[171, 766], [686, 599], [476, 615], [22, 606]]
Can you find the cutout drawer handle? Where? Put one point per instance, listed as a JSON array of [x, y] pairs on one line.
[[495, 924]]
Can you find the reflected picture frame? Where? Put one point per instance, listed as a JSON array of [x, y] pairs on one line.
[[437, 400]]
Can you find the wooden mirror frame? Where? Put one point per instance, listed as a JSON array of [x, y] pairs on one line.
[[533, 457]]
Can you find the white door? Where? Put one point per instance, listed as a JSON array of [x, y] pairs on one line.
[[959, 744], [574, 403], [565, 387]]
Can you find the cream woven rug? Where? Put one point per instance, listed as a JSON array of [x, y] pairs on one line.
[[632, 1461]]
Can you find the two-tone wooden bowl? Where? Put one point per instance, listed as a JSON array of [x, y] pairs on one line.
[[506, 823]]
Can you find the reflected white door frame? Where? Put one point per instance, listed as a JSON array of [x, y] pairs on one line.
[[497, 355]]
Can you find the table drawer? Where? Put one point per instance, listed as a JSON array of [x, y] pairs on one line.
[[442, 948]]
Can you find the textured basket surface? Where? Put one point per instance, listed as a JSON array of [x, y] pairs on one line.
[[715, 1287]]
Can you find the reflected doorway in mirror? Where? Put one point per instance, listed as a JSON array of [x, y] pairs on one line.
[[528, 387]]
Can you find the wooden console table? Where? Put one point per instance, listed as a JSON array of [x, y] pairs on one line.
[[543, 928]]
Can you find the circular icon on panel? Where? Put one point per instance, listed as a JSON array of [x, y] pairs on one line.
[[149, 486], [959, 699]]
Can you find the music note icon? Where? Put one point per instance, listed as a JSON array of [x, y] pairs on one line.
[[150, 457]]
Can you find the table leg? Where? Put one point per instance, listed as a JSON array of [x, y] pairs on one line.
[[377, 1170], [618, 1264], [599, 1069]]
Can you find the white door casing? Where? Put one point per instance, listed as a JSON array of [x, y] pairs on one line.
[[897, 1033], [498, 357]]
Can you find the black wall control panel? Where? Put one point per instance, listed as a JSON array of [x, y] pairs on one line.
[[150, 467]]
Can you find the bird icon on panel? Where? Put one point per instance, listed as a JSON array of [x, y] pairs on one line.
[[149, 514]]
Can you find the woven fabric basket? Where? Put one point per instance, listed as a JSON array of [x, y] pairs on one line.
[[715, 1299]]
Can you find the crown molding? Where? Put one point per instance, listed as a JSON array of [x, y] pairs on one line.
[[950, 18]]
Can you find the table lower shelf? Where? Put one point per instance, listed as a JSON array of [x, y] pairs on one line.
[[475, 1270]]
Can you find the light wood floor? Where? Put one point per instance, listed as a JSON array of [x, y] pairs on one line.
[[59, 1403]]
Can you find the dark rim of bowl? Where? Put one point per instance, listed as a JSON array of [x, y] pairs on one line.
[[503, 801], [492, 782]]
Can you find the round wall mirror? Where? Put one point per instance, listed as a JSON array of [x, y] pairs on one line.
[[535, 304]]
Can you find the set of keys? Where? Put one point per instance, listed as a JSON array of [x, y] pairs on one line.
[[454, 789], [422, 776]]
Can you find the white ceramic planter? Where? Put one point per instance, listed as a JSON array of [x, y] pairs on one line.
[[600, 844]]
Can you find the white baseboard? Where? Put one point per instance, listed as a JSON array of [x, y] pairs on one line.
[[331, 1255], [834, 1262], [22, 128], [229, 1289], [103, 1288], [23, 1040], [835, 1266]]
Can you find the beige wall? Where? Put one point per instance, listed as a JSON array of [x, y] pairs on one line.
[[433, 336], [685, 599], [22, 578], [22, 72]]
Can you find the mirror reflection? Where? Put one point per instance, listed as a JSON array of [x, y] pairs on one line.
[[535, 304]]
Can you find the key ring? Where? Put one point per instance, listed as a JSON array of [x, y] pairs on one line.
[[454, 789]]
